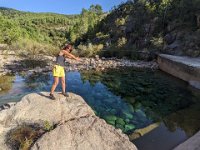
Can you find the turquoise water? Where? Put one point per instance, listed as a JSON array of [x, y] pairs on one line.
[[126, 98]]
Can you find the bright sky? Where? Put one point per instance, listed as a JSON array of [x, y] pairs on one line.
[[57, 6]]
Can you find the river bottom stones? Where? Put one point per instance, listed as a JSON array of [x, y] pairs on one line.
[[120, 123]]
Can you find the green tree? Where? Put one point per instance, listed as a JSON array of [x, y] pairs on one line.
[[96, 9]]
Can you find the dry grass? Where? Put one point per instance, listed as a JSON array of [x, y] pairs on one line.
[[22, 137]]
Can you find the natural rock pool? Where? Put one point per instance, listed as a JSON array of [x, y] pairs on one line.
[[127, 98]]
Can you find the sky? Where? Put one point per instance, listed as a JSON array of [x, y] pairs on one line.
[[58, 6]]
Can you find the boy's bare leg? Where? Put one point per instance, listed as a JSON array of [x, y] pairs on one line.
[[55, 83], [63, 87]]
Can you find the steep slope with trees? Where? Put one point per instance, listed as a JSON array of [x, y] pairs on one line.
[[167, 26]]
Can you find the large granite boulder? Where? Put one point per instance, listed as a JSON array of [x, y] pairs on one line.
[[76, 126]]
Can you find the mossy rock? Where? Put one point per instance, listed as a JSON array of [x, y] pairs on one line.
[[110, 118], [129, 127], [127, 115], [127, 120], [137, 105], [111, 111], [141, 113], [111, 122], [120, 126], [120, 121], [131, 107]]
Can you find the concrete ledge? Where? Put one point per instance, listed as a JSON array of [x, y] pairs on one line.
[[192, 143], [185, 68]]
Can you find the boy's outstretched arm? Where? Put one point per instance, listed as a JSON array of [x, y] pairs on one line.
[[69, 55]]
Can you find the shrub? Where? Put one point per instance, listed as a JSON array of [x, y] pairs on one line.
[[120, 21], [89, 50], [23, 136], [121, 42], [157, 42], [47, 126], [33, 48]]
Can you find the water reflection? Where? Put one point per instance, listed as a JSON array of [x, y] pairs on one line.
[[6, 83], [187, 119]]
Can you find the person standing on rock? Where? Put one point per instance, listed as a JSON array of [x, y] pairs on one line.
[[58, 69]]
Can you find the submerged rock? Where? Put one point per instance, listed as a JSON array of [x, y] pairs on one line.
[[75, 124], [120, 121]]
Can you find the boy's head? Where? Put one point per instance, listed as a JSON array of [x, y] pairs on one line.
[[68, 47]]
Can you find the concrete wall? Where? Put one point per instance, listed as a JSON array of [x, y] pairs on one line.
[[187, 69], [192, 143]]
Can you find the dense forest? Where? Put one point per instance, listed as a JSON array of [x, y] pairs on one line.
[[167, 26]]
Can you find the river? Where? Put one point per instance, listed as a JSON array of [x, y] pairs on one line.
[[126, 98]]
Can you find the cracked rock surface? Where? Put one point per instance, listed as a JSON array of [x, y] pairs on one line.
[[77, 126]]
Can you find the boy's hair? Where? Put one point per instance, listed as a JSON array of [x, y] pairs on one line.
[[69, 47]]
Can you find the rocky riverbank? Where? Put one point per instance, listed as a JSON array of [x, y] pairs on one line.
[[65, 123], [14, 64]]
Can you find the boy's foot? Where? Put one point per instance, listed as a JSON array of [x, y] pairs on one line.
[[52, 96], [65, 94]]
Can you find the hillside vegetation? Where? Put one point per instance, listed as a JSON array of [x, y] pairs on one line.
[[149, 26], [167, 26], [44, 32]]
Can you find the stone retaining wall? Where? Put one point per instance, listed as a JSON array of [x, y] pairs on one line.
[[185, 68]]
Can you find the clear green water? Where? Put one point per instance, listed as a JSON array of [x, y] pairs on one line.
[[126, 98]]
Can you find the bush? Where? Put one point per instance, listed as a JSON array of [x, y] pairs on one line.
[[120, 21], [33, 48], [89, 50], [47, 126], [157, 42], [121, 42], [23, 136]]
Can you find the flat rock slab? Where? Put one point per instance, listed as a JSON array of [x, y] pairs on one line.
[[193, 62], [192, 143], [77, 127], [185, 68]]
